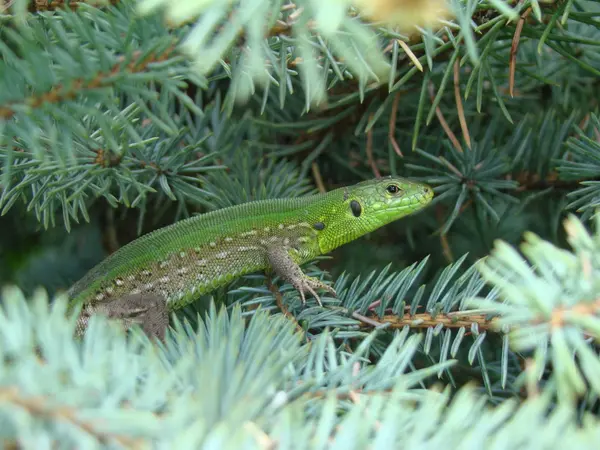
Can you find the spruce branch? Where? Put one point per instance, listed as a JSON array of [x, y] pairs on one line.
[[253, 389], [115, 389], [66, 67], [389, 302], [426, 320], [126, 174], [582, 165], [374, 103], [475, 175], [136, 63], [550, 304]]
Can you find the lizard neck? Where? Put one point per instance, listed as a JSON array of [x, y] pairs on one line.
[[332, 218]]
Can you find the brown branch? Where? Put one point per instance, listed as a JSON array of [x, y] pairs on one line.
[[318, 178], [51, 5], [282, 307], [391, 133], [513, 52], [459, 105], [41, 406], [558, 319], [447, 251], [425, 320], [366, 320], [61, 93], [533, 182], [372, 162], [443, 123], [112, 241]]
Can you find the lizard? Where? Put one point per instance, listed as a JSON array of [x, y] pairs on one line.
[[166, 269]]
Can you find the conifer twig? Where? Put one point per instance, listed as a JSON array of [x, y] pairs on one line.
[[410, 54], [513, 52], [372, 162], [426, 320], [112, 241], [366, 320], [318, 178], [391, 133], [444, 124], [459, 105], [279, 301], [443, 236], [39, 406], [59, 93], [263, 439], [531, 386]]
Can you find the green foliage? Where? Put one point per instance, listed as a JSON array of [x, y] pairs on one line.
[[119, 117], [245, 377], [230, 384], [583, 163], [552, 301]]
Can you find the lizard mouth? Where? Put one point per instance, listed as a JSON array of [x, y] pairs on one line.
[[419, 199], [407, 206]]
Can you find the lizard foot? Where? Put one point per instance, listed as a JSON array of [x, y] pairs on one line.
[[147, 310], [282, 262], [311, 284]]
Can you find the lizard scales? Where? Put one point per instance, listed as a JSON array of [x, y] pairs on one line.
[[194, 256]]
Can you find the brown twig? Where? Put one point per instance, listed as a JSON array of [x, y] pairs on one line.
[[443, 123], [366, 320], [459, 105], [374, 305], [374, 167], [41, 406], [60, 93], [263, 440], [392, 131], [112, 242], [557, 319], [425, 320], [451, 166], [317, 176], [349, 395], [444, 237], [410, 55], [531, 387], [513, 52], [532, 182], [280, 305]]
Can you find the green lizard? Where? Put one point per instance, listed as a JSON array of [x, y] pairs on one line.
[[168, 268]]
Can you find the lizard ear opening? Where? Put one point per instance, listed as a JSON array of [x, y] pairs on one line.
[[356, 208]]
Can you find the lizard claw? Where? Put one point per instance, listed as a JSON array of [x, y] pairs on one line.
[[310, 284], [283, 263]]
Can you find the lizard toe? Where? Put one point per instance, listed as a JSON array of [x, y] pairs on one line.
[[311, 285]]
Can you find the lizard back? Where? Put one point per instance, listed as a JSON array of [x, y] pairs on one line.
[[199, 254]]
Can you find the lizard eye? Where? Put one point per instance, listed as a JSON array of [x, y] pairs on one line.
[[393, 189]]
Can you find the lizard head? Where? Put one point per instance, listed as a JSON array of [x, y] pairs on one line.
[[370, 205]]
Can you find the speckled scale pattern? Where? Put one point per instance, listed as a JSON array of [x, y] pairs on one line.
[[199, 254]]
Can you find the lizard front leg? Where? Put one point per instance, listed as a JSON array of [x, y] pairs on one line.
[[283, 263], [149, 310]]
